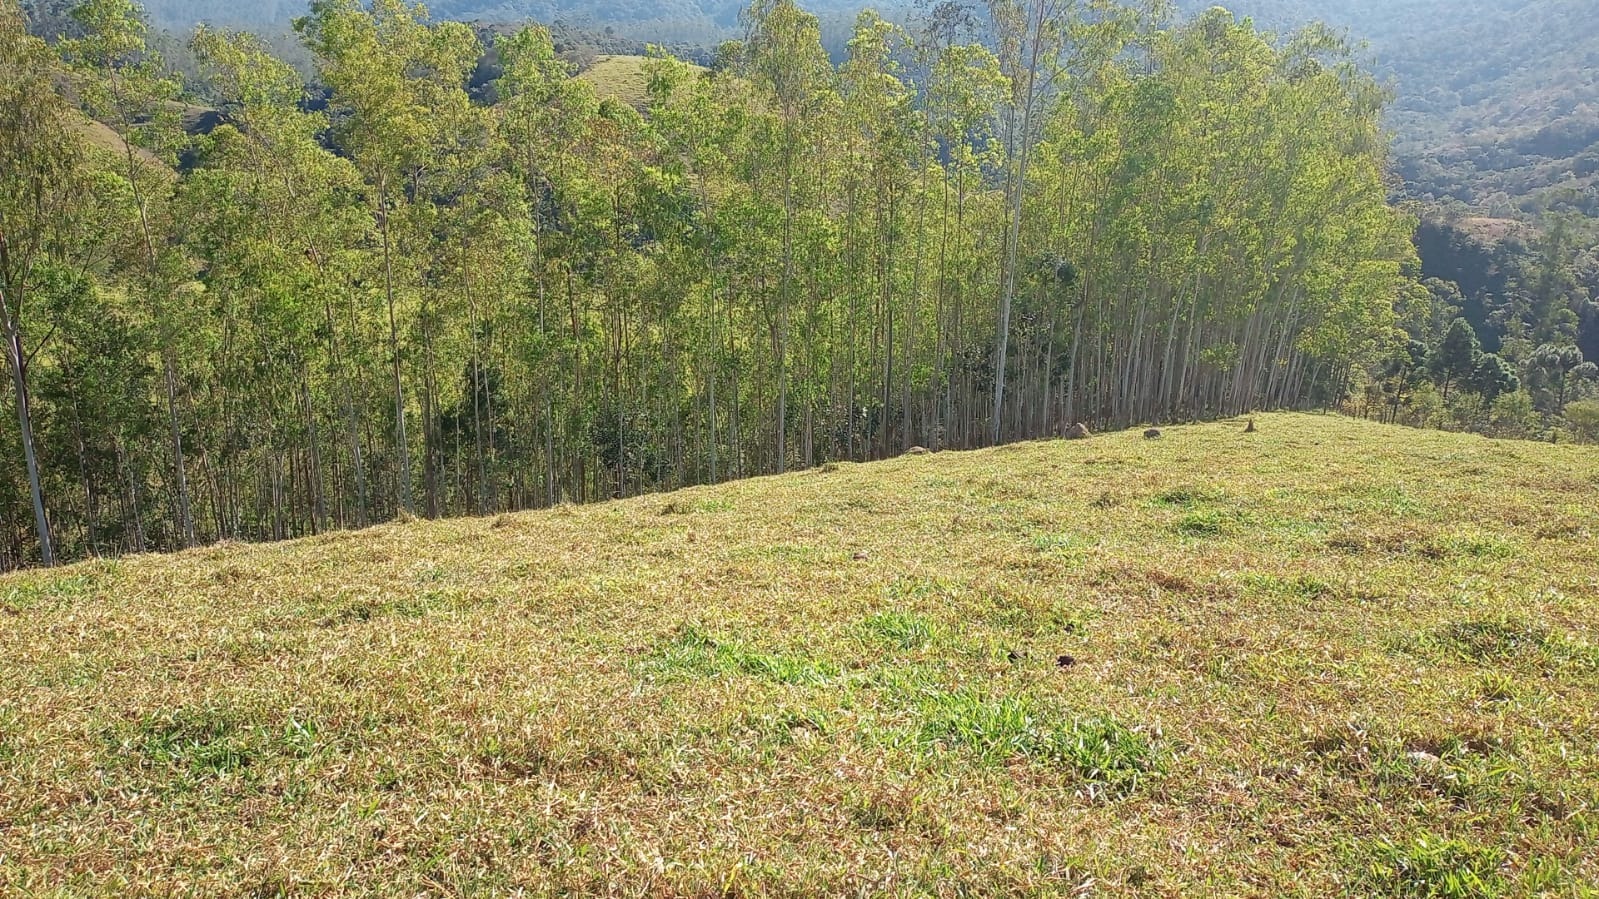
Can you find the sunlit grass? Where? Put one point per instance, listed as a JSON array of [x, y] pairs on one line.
[[621, 78], [1327, 659]]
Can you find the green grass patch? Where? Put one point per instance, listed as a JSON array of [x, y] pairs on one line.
[[215, 741], [923, 589], [1029, 617], [416, 605], [693, 652], [1471, 771], [1433, 867], [1469, 546], [1058, 544], [1102, 753], [1492, 640], [903, 630], [204, 741], [1509, 641], [8, 735], [37, 592], [787, 726], [1206, 523], [1301, 587], [1188, 497], [693, 507], [1390, 500]]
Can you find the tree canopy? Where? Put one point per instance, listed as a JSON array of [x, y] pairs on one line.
[[394, 293]]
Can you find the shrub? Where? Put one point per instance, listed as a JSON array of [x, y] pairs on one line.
[[1513, 415], [1583, 419]]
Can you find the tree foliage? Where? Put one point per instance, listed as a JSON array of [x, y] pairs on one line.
[[422, 295]]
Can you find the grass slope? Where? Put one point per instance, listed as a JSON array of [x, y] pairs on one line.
[[621, 78], [1330, 658]]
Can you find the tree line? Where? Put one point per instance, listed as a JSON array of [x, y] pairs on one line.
[[387, 294], [1501, 333]]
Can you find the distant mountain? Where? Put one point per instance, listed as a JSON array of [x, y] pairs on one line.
[[1497, 101], [714, 13]]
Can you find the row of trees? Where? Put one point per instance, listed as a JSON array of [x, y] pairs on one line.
[[420, 299]]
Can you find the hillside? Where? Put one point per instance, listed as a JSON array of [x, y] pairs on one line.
[[714, 14], [620, 77], [1292, 663], [1496, 102]]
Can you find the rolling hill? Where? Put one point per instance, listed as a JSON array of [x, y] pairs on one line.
[[712, 13], [1292, 663]]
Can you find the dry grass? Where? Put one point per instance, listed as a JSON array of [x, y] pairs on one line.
[[104, 137], [621, 78], [1331, 658]]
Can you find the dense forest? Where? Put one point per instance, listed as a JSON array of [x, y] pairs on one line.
[[409, 297], [1502, 332], [1496, 101]]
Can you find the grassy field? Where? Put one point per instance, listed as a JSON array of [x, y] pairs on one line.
[[621, 78], [1331, 658]]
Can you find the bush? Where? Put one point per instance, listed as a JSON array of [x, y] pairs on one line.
[[1513, 415], [1466, 412], [1583, 419], [1426, 408]]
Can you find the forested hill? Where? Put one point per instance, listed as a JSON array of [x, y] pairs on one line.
[[417, 296], [1496, 101]]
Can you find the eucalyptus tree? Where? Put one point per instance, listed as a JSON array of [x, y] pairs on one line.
[[549, 294], [41, 181], [544, 121], [1031, 36], [398, 87], [785, 60], [274, 215], [694, 114], [878, 109], [965, 85], [123, 84]]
